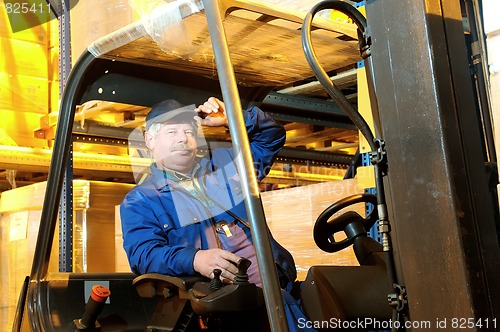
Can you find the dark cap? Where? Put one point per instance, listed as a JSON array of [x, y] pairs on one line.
[[170, 110]]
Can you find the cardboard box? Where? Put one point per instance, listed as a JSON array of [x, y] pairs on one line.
[[24, 93], [53, 35], [19, 126], [121, 260], [291, 214], [23, 58], [36, 34], [94, 208], [20, 211], [54, 96], [53, 64], [490, 15], [17, 243], [92, 19]]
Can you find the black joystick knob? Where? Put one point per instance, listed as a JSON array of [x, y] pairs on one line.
[[216, 282], [242, 276]]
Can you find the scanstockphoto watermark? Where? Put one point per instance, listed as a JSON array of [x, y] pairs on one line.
[[375, 324], [362, 323]]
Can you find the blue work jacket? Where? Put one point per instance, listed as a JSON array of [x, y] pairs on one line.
[[164, 225]]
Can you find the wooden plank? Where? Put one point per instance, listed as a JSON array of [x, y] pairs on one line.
[[326, 134]]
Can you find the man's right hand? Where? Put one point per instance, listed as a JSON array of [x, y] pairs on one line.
[[205, 261], [213, 113]]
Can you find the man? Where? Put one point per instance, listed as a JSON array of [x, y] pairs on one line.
[[174, 223], [189, 216]]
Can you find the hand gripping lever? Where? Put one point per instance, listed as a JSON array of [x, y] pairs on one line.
[[241, 295]]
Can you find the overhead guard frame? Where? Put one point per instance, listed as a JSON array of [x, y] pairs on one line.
[[87, 71]]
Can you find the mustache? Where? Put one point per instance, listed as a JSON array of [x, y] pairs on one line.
[[181, 147]]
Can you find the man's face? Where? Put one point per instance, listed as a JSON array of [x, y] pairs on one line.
[[174, 148]]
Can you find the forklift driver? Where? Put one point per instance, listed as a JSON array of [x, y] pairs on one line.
[[189, 216]]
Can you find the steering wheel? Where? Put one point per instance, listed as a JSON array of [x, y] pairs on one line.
[[324, 230]]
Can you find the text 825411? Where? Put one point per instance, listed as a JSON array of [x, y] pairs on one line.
[[27, 8]]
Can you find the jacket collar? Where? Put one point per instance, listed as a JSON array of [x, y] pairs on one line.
[[162, 180]]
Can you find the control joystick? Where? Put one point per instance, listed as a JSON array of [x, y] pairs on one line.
[[93, 308], [216, 282], [239, 296], [242, 276]]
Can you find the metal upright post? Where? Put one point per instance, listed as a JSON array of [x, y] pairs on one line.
[[253, 203], [66, 207], [443, 223]]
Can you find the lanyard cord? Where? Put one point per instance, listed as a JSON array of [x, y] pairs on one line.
[[228, 211], [176, 186]]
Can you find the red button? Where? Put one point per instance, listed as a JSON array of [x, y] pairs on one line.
[[99, 293]]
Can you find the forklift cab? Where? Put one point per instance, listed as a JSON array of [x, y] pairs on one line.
[[235, 57]]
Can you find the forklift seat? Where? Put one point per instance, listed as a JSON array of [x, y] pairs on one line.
[[346, 293]]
